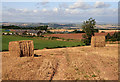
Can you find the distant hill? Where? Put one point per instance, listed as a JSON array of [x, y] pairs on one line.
[[59, 25]]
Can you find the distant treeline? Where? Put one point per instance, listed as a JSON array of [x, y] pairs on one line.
[[61, 26], [34, 28], [76, 31], [109, 29]]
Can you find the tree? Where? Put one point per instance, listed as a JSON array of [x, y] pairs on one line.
[[45, 28], [41, 28], [39, 33], [75, 31], [108, 36], [115, 37], [88, 27], [25, 33], [96, 30]]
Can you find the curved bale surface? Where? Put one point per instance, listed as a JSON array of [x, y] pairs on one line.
[[98, 41], [21, 48]]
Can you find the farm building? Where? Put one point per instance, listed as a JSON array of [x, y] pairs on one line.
[[34, 33], [29, 32], [20, 32], [4, 33]]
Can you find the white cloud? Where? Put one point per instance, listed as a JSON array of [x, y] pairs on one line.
[[35, 11], [75, 12], [44, 2], [21, 10], [44, 9], [55, 9], [72, 11], [25, 10], [100, 4], [80, 5]]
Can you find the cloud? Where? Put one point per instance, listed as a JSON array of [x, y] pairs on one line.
[[55, 9], [72, 11], [44, 2], [44, 9], [99, 4], [35, 11], [75, 12], [80, 5], [63, 5], [23, 10], [66, 15]]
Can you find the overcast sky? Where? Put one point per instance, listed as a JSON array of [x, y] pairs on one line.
[[60, 12]]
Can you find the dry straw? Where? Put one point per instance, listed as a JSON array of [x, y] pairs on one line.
[[21, 48], [98, 41]]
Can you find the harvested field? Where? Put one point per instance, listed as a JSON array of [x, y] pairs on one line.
[[109, 31], [73, 63], [75, 36]]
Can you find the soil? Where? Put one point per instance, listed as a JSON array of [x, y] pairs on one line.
[[75, 35], [72, 63]]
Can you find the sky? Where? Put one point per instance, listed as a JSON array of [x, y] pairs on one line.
[[46, 11]]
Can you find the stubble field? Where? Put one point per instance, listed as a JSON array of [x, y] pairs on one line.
[[73, 63]]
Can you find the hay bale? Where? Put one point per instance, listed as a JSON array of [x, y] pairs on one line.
[[21, 48], [98, 41]]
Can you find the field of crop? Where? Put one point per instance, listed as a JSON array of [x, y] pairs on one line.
[[39, 43], [74, 36], [71, 63]]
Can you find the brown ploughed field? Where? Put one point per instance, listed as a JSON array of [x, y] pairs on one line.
[[73, 63], [75, 36]]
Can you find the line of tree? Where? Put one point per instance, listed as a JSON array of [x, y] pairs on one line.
[[45, 27], [76, 31], [114, 37], [11, 27], [41, 28]]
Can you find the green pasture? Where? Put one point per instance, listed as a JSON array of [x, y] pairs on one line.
[[39, 43]]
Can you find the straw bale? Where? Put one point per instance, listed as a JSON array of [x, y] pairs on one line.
[[21, 48], [98, 41]]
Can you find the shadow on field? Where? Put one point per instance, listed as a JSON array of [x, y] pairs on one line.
[[35, 55]]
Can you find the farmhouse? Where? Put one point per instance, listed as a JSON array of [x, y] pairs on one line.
[[34, 33], [4, 33], [29, 32], [19, 32]]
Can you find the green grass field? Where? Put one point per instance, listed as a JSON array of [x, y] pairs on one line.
[[38, 42]]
